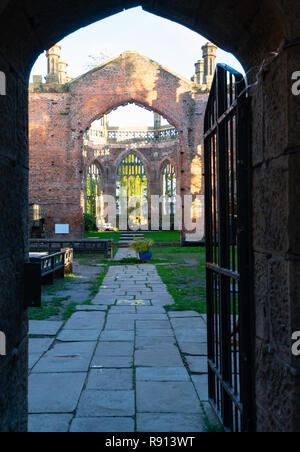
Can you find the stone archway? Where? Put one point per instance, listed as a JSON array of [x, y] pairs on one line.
[[250, 30]]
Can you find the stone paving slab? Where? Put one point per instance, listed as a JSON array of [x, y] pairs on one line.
[[102, 424], [153, 324], [151, 342], [78, 335], [39, 346], [164, 356], [91, 308], [129, 298], [151, 317], [183, 314], [201, 385], [61, 359], [159, 302], [171, 422], [150, 309], [85, 321], [191, 335], [113, 324], [167, 397], [49, 423], [110, 379], [112, 361], [121, 310], [44, 327], [114, 349], [104, 301], [106, 403], [197, 364], [33, 359], [117, 335], [124, 253], [162, 374], [190, 323], [193, 348], [154, 333], [55, 393]]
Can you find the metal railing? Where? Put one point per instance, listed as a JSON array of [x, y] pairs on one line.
[[138, 135], [115, 135], [103, 246]]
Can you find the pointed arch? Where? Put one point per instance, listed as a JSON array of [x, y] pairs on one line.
[[168, 177], [132, 189], [94, 189]]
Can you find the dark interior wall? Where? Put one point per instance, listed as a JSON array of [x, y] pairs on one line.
[[250, 29]]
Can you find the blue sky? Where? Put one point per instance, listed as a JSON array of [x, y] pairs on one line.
[[170, 44]]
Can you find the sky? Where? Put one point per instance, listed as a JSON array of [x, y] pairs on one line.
[[172, 45]]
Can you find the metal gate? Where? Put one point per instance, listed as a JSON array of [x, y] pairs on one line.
[[228, 262]]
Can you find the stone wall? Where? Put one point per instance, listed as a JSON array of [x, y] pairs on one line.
[[275, 243]]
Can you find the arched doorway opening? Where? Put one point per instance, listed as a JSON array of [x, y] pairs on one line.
[[132, 192], [133, 144], [94, 190], [169, 191]]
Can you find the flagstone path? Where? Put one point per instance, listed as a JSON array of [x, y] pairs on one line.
[[121, 365], [124, 253]]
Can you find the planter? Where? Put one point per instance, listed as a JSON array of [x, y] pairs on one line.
[[145, 256]]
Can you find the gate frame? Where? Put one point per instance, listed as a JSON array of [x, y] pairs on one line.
[[224, 104]]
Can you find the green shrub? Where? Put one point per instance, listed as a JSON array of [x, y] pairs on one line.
[[90, 223], [142, 245]]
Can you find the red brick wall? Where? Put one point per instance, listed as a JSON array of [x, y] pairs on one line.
[[59, 120]]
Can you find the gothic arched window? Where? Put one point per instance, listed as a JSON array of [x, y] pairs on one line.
[[132, 186], [169, 189], [94, 190]]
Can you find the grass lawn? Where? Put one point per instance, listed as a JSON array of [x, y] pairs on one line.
[[157, 236], [61, 307], [184, 275], [103, 235], [163, 236]]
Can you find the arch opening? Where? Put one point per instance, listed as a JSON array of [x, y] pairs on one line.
[[132, 192], [94, 192]]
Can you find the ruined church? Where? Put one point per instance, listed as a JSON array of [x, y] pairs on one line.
[[77, 159]]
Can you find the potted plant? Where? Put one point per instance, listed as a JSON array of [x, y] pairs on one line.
[[142, 247]]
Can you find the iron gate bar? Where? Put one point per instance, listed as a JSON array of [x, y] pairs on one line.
[[223, 271], [227, 207], [226, 387]]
